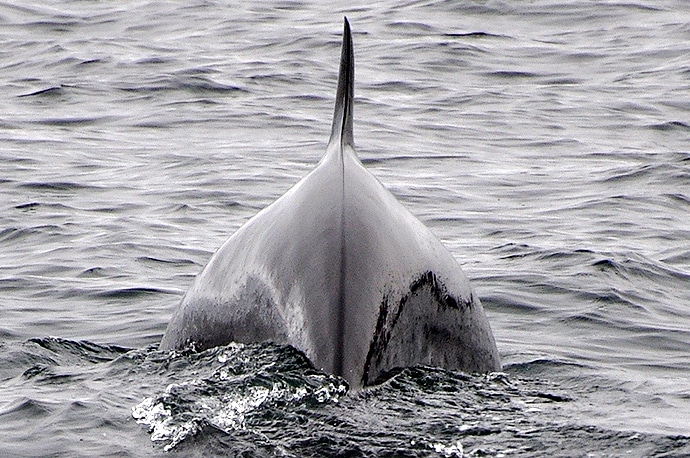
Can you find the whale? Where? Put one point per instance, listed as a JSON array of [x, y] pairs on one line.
[[338, 268]]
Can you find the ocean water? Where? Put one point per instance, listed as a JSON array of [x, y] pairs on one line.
[[545, 142]]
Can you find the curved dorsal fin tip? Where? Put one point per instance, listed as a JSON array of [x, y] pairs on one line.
[[341, 130]]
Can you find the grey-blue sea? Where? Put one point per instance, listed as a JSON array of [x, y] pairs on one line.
[[545, 142]]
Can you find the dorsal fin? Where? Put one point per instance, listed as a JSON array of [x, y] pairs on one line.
[[342, 116]]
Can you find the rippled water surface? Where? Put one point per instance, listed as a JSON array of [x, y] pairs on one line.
[[545, 142]]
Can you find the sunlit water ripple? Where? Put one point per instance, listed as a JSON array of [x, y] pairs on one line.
[[545, 142]]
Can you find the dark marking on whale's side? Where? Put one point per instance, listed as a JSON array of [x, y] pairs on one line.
[[390, 315], [339, 269]]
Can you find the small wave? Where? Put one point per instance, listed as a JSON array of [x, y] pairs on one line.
[[678, 197], [670, 126], [154, 60], [28, 206], [48, 375], [59, 25], [636, 267], [564, 81], [411, 158], [65, 350], [472, 35], [509, 303], [25, 408], [680, 257], [14, 233], [194, 84], [90, 62], [541, 366], [51, 92], [206, 85], [93, 272], [154, 260], [56, 186], [397, 87], [630, 174], [407, 25], [131, 293], [512, 74], [76, 121]]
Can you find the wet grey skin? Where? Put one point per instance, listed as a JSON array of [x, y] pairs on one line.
[[339, 269]]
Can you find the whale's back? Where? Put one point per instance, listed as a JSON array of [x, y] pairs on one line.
[[338, 268]]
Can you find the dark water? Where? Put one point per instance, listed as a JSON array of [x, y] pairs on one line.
[[545, 142]]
